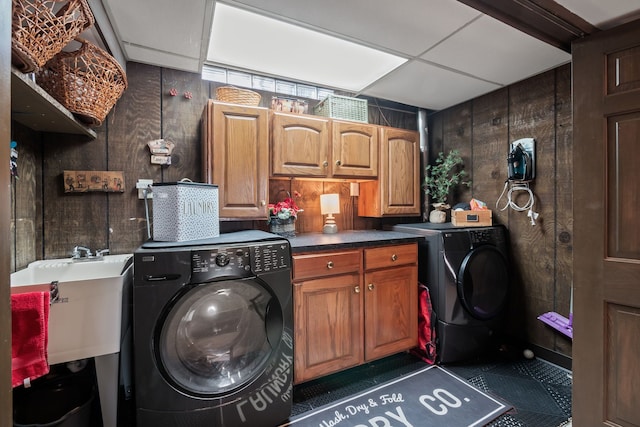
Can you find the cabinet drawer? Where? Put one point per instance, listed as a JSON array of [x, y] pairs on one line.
[[329, 264], [390, 256]]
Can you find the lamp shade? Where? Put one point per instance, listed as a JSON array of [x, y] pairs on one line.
[[329, 204]]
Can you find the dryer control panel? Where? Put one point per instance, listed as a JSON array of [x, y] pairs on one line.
[[238, 261]]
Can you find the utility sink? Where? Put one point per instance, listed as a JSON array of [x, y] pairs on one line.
[[85, 319]]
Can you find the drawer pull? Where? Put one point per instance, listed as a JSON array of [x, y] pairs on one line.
[[370, 286], [338, 163], [394, 257], [356, 289], [330, 265], [325, 164]]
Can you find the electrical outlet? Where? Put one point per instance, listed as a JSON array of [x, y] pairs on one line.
[[143, 184]]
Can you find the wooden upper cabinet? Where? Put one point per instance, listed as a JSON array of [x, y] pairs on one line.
[[354, 149], [236, 157], [396, 192], [319, 147], [300, 145]]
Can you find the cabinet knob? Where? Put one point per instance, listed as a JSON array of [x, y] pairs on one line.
[[370, 286], [394, 257], [263, 202], [330, 265], [338, 162], [356, 289], [325, 164]]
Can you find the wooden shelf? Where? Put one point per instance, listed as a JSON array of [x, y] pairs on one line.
[[36, 109]]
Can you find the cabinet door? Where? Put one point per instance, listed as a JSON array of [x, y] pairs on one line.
[[391, 311], [328, 326], [235, 157], [396, 192], [300, 145], [354, 149]]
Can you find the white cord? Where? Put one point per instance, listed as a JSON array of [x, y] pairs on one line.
[[517, 186], [146, 192]]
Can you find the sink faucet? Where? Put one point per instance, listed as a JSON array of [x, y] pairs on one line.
[[100, 253], [77, 252]]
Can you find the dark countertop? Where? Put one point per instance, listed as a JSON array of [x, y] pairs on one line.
[[309, 242]]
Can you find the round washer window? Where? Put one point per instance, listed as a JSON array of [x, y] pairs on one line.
[[214, 338], [483, 282]]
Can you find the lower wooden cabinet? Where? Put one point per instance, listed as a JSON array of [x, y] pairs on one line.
[[353, 306]]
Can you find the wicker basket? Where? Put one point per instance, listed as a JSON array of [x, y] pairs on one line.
[[87, 81], [343, 107], [237, 96], [41, 28]]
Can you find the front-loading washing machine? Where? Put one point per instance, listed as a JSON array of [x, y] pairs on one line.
[[212, 331], [467, 273]]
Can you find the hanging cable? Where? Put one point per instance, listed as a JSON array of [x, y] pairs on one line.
[[514, 188]]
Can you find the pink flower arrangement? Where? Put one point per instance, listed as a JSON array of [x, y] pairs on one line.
[[285, 209]]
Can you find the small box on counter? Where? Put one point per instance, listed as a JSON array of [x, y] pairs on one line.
[[479, 218], [185, 211]]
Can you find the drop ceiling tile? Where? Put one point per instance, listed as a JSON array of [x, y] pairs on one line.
[[423, 85], [408, 26], [171, 26], [162, 59], [491, 50], [603, 14]]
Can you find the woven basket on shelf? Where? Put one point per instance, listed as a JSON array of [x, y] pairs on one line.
[[42, 28], [87, 81], [237, 96]]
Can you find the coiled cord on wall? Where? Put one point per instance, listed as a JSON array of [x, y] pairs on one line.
[[519, 186]]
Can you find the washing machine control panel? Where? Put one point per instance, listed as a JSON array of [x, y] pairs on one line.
[[237, 261]]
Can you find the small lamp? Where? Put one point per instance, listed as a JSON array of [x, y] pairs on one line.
[[329, 205]]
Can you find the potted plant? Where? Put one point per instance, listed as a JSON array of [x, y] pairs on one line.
[[440, 177]]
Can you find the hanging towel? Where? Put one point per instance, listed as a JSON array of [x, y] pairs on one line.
[[29, 336]]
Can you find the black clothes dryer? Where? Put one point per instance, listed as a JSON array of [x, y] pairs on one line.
[[212, 330], [467, 273]]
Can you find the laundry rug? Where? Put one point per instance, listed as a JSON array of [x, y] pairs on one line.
[[430, 397]]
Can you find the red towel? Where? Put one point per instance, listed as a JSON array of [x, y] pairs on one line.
[[29, 336]]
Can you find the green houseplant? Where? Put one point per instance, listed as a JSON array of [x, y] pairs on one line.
[[439, 178]]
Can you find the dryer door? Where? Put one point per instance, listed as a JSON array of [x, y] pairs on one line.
[[483, 282], [218, 336]]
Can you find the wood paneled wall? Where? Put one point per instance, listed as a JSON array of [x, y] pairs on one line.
[[48, 223], [482, 129]]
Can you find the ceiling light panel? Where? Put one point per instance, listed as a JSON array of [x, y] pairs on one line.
[[407, 27], [247, 40]]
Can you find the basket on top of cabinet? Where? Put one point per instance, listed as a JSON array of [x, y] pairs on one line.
[[42, 28], [343, 107]]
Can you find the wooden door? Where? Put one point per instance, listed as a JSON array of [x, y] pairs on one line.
[[396, 192], [354, 149], [300, 145], [328, 325], [606, 111], [235, 157], [5, 217], [390, 311]]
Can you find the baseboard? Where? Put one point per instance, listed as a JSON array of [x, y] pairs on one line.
[[552, 356]]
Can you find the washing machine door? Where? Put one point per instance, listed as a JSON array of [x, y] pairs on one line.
[[218, 336], [483, 282]]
